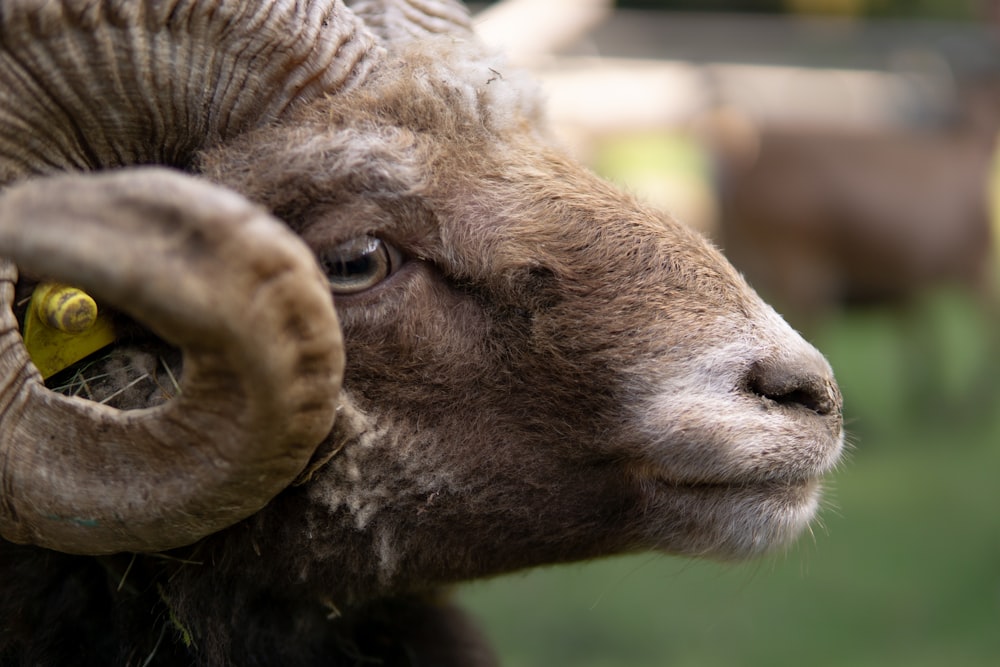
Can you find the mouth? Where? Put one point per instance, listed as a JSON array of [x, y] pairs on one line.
[[759, 502], [726, 519], [718, 478], [786, 488]]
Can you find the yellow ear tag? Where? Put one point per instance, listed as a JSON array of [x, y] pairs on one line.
[[62, 326]]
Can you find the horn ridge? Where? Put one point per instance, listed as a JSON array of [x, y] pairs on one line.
[[92, 84]]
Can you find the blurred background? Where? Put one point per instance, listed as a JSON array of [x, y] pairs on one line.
[[843, 154]]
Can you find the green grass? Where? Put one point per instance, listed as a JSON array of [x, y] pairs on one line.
[[905, 570]]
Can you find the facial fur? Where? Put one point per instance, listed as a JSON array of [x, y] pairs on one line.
[[555, 373]]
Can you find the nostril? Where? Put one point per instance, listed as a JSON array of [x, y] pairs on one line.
[[795, 385], [800, 397]]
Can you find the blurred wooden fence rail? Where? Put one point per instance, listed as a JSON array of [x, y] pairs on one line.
[[607, 70]]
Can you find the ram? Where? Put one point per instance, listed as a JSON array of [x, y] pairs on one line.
[[538, 368]]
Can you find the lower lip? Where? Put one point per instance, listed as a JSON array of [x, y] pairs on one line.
[[732, 520], [767, 487]]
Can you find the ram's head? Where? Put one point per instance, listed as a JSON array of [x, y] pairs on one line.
[[538, 368]]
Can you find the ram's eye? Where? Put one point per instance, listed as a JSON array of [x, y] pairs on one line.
[[359, 264]]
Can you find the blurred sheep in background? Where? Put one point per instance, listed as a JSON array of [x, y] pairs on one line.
[[837, 162]]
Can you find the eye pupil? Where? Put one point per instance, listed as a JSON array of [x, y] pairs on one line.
[[356, 265], [346, 268]]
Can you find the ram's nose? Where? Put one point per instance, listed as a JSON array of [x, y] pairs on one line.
[[799, 379]]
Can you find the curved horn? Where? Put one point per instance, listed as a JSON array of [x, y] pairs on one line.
[[90, 84], [399, 21], [236, 291]]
